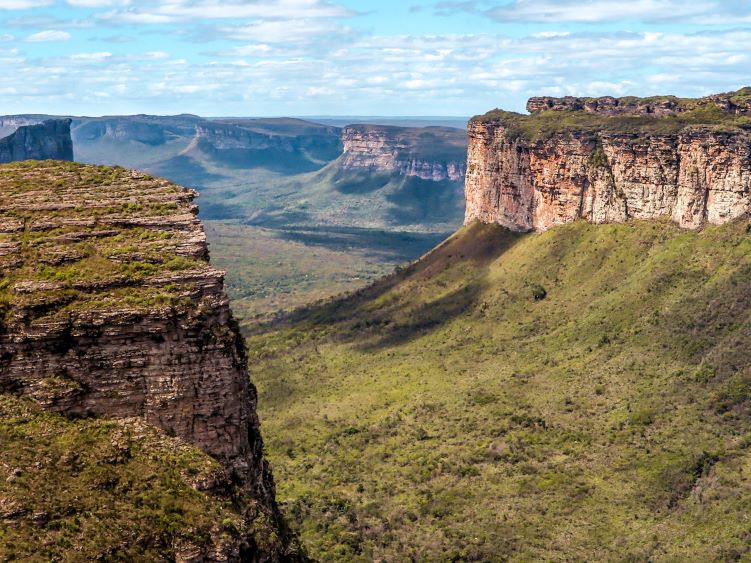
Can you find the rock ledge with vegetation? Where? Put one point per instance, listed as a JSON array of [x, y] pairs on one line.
[[109, 310]]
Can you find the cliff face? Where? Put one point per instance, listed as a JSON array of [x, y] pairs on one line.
[[108, 307], [45, 141], [436, 154], [526, 174]]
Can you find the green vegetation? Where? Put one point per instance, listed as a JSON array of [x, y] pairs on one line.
[[447, 414], [74, 239], [287, 241], [90, 490], [277, 270], [544, 125], [267, 273]]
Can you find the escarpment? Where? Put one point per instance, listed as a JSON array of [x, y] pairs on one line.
[[432, 153], [49, 140], [579, 158], [109, 308]]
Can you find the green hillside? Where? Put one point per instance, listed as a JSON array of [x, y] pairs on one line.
[[582, 394], [109, 490]]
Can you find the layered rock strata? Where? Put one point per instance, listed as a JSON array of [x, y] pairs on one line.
[[108, 307], [606, 169], [432, 153], [49, 140]]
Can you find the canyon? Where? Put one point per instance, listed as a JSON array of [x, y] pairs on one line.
[[109, 308], [605, 160], [284, 188]]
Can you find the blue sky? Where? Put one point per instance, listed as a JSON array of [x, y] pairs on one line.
[[363, 57]]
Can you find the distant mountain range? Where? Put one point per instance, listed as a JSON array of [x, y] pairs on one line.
[[277, 195], [287, 171]]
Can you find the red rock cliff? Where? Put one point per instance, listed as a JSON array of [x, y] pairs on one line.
[[532, 173]]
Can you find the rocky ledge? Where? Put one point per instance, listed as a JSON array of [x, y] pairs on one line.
[[431, 153], [738, 103], [109, 308], [530, 173]]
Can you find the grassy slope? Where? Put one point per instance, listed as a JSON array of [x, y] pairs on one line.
[[302, 243], [335, 197], [445, 413], [92, 489]]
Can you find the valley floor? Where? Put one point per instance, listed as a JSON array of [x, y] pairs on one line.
[[582, 394], [273, 270]]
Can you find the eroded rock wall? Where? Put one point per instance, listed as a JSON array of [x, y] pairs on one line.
[[396, 150], [699, 175]]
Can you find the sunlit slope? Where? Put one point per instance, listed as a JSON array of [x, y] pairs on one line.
[[582, 394]]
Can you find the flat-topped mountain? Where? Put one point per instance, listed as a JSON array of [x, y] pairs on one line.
[[48, 140], [610, 160], [109, 309]]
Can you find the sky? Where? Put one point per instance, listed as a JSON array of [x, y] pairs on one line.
[[360, 57]]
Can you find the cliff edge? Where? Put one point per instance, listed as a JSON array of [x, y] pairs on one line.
[[49, 140], [611, 160], [109, 308], [430, 153]]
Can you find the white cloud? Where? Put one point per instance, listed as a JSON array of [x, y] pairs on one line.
[[96, 3], [595, 11], [298, 57], [48, 35], [286, 32], [23, 4], [91, 56], [152, 12]]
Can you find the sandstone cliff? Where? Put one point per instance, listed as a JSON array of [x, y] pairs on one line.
[[590, 161], [432, 153], [109, 308], [49, 140]]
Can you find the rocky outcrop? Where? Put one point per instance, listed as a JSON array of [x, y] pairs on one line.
[[691, 173], [49, 140], [108, 307], [737, 103], [431, 153]]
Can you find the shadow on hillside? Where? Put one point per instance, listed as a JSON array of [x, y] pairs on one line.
[[429, 317], [392, 311], [418, 201], [398, 246]]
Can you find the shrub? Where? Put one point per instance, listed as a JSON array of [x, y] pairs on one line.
[[539, 292]]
